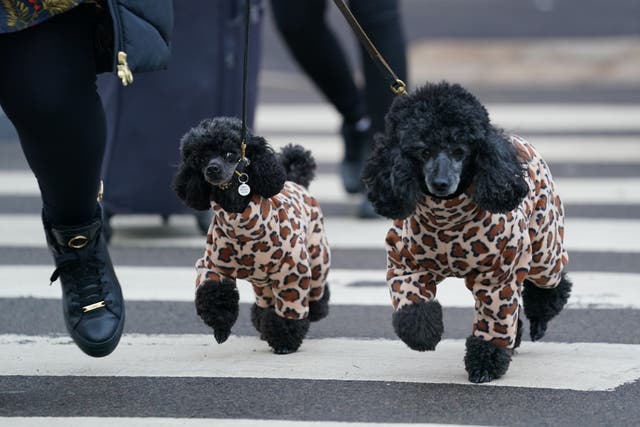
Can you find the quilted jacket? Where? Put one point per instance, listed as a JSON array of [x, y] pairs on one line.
[[136, 38]]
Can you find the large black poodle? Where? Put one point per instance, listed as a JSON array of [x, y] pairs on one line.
[[468, 201], [266, 229]]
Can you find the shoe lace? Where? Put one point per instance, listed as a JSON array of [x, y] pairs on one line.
[[85, 278]]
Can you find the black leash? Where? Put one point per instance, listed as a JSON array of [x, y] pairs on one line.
[[397, 86], [243, 162], [245, 73]]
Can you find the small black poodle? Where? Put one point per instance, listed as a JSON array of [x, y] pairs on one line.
[[266, 229], [468, 201]]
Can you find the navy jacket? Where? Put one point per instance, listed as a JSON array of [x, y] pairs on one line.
[[142, 29]]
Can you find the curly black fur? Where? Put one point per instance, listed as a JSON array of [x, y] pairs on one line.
[[419, 325], [518, 334], [257, 314], [298, 164], [542, 305], [217, 305], [485, 361], [283, 335], [320, 309], [211, 138], [441, 118]]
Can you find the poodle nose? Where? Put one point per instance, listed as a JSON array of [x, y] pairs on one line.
[[213, 169], [440, 185]]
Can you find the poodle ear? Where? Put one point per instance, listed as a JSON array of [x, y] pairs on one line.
[[499, 178], [191, 188], [393, 187], [266, 173]]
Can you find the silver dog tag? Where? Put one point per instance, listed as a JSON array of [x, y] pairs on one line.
[[244, 190]]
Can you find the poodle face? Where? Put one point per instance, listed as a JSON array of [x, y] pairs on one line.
[[443, 164], [217, 160], [439, 142], [212, 161]]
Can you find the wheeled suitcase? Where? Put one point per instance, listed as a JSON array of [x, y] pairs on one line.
[[146, 119]]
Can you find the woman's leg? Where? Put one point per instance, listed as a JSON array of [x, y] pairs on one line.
[[48, 91], [304, 29], [313, 45], [381, 20]]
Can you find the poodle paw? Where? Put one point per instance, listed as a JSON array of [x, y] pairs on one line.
[[221, 334], [284, 336], [217, 306], [485, 361], [320, 309], [537, 329], [480, 376], [419, 325]]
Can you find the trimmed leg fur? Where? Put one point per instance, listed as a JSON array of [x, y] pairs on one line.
[[217, 305], [485, 361], [257, 313], [320, 309], [542, 305], [518, 334], [283, 335], [419, 325]]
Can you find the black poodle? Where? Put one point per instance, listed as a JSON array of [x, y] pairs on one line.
[[266, 229], [469, 201]]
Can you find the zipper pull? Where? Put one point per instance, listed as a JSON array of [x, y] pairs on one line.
[[124, 73]]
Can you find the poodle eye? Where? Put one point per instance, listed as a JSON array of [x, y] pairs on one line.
[[458, 153], [426, 152], [229, 156]]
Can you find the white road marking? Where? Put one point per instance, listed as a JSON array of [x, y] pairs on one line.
[[522, 117], [583, 234], [348, 287], [575, 366]]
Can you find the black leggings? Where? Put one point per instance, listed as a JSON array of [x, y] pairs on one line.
[[48, 91], [303, 26]]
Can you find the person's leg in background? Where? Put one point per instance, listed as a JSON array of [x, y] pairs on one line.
[[382, 22], [48, 91], [303, 27]]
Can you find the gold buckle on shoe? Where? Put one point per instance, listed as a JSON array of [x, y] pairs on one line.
[[91, 307], [78, 242]]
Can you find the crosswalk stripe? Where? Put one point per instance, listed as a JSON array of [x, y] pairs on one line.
[[523, 117], [587, 149], [583, 234], [193, 422], [328, 188], [584, 149], [348, 287], [575, 366]]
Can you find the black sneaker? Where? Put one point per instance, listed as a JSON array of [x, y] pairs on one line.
[[92, 300]]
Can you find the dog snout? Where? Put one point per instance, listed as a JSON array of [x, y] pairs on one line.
[[216, 173], [440, 185], [442, 175], [213, 169]]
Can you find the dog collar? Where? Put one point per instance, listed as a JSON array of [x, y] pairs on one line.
[[243, 178]]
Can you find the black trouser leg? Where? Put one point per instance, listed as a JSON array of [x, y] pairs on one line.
[[48, 91], [304, 29], [381, 20]]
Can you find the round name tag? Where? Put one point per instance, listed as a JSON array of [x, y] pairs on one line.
[[244, 189]]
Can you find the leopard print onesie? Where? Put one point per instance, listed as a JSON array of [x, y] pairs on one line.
[[277, 244], [494, 253]]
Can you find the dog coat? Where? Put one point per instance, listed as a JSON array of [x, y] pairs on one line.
[[494, 253], [277, 244]]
